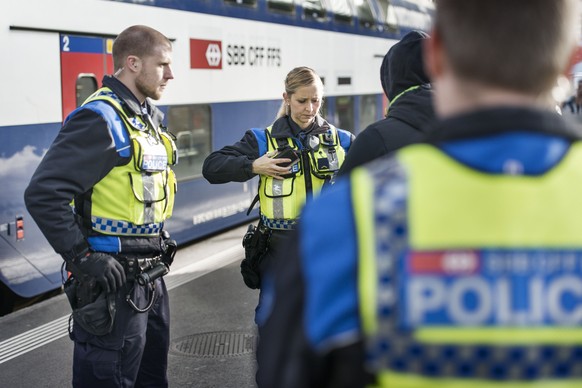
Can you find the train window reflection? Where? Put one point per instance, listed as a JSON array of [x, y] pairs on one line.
[[191, 125], [415, 15], [323, 111], [388, 15], [314, 9], [287, 6], [368, 110], [86, 85], [342, 10], [365, 15], [242, 2], [344, 110]]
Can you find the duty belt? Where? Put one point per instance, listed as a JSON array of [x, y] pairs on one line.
[[143, 271], [135, 265], [279, 224]]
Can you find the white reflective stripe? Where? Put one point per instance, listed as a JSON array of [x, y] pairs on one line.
[[149, 195], [278, 201]]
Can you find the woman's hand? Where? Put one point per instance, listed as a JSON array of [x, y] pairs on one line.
[[266, 165]]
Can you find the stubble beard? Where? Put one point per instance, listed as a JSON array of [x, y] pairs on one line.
[[151, 92]]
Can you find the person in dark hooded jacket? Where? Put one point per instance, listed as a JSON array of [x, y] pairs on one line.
[[410, 96]]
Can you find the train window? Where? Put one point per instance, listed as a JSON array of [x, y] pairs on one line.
[[287, 6], [368, 110], [191, 125], [314, 9], [365, 15], [251, 3], [344, 80], [86, 85], [388, 14], [342, 10], [344, 110], [415, 15]]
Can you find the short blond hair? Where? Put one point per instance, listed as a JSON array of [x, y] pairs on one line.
[[141, 41]]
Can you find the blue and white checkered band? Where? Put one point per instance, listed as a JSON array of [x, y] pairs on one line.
[[110, 94], [279, 224], [398, 348], [122, 228], [137, 123]]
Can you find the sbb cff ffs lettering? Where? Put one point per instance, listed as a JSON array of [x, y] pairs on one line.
[[240, 55]]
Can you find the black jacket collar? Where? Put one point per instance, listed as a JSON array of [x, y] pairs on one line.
[[284, 127], [492, 121], [130, 102]]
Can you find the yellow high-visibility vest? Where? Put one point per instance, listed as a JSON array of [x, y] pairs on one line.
[[135, 198], [282, 199], [473, 232]]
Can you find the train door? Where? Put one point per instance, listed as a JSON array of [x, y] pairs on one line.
[[84, 61], [30, 268]]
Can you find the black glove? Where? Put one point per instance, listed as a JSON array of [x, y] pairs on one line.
[[107, 271]]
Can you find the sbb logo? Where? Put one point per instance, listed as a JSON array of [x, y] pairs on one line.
[[205, 54], [213, 54]]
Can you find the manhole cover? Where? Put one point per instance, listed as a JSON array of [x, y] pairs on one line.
[[215, 344]]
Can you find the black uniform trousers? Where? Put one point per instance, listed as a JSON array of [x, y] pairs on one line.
[[135, 353], [273, 256]]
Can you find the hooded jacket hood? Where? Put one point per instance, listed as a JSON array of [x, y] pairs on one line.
[[402, 66]]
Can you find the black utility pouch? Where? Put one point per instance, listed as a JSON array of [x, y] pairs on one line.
[[256, 244], [93, 309]]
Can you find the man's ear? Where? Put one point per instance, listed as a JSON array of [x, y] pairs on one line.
[[132, 62], [432, 51]]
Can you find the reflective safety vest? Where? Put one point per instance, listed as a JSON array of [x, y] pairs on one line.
[[470, 279], [282, 199], [136, 198]]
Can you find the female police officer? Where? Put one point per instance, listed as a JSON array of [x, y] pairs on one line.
[[294, 157]]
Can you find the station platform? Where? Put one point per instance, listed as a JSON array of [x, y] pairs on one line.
[[213, 334], [572, 117]]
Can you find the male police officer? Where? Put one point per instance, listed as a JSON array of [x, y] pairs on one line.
[[456, 263], [111, 162]]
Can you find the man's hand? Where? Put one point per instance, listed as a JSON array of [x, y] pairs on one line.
[[107, 271]]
